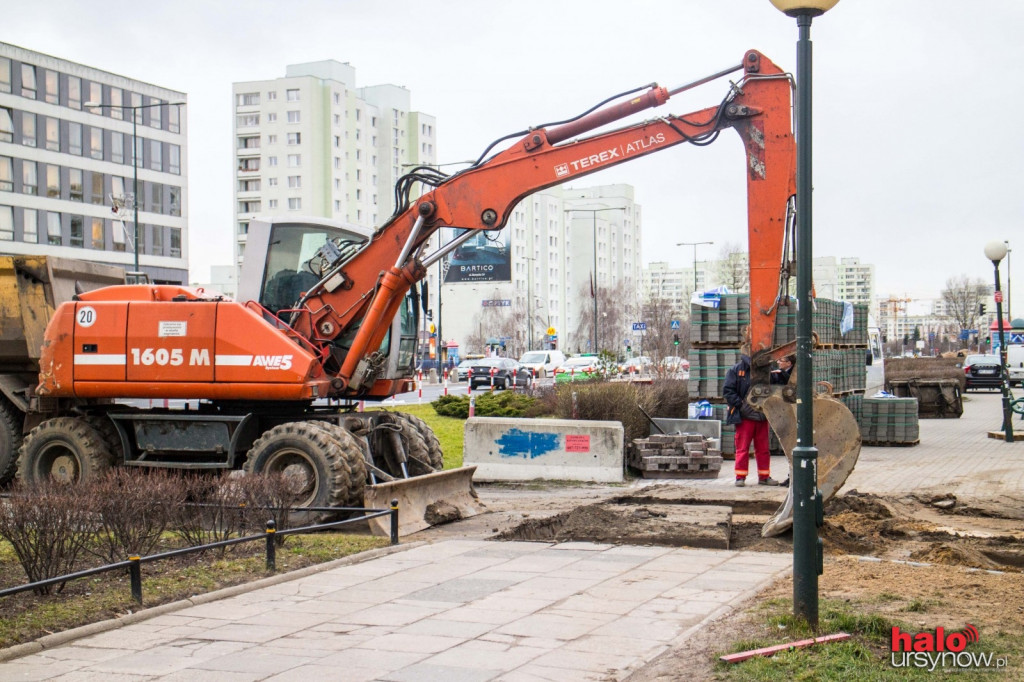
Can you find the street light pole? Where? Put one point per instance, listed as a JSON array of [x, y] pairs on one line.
[[1009, 284], [135, 158], [806, 543], [995, 251], [694, 245]]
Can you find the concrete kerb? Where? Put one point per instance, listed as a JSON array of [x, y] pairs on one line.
[[61, 638]]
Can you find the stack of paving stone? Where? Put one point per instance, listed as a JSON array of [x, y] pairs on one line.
[[715, 336], [889, 421], [686, 455], [720, 411]]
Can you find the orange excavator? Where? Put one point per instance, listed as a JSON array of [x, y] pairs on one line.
[[329, 312]]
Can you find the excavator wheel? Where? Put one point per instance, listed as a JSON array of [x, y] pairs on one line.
[[10, 440], [318, 465], [347, 445], [65, 449], [107, 429], [417, 453], [434, 456]]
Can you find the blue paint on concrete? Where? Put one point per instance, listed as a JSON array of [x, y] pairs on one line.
[[527, 444]]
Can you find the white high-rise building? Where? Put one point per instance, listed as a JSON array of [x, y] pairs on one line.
[[66, 153], [535, 275], [845, 279], [312, 143]]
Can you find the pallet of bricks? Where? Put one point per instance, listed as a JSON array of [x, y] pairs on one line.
[[889, 421], [716, 334], [686, 455]]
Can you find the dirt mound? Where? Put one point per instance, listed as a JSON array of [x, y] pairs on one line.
[[859, 503], [955, 555]]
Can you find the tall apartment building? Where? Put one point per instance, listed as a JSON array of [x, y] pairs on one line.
[[845, 279], [550, 245], [63, 160], [312, 143]]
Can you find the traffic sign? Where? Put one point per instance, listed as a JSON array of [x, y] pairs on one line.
[[675, 324], [639, 326]]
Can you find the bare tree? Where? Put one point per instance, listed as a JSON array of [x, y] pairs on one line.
[[733, 267], [611, 318], [659, 337], [961, 298]]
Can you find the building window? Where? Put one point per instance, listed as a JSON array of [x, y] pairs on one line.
[[137, 151], [77, 231], [294, 117], [175, 242], [117, 185], [157, 233], [28, 129], [272, 182], [249, 206], [294, 160], [156, 119], [294, 181], [7, 223], [337, 162], [50, 86], [98, 241], [174, 194], [52, 133], [337, 98], [174, 119], [116, 101], [28, 81], [292, 95], [272, 117], [249, 185], [53, 181], [117, 235], [53, 232], [294, 138], [6, 174], [75, 184], [271, 95], [174, 159], [29, 226], [294, 204], [5, 75], [272, 204], [247, 99], [29, 178], [75, 138], [249, 165], [94, 95], [74, 92], [117, 147], [272, 161], [97, 188], [156, 157], [156, 197], [96, 143]]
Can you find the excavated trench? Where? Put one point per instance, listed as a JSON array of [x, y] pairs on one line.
[[938, 531]]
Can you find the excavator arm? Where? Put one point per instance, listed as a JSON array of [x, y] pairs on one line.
[[357, 299]]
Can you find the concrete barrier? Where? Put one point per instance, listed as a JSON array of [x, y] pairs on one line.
[[509, 449]]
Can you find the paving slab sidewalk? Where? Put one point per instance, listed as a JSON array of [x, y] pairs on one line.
[[458, 610]]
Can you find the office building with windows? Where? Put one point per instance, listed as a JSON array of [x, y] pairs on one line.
[[312, 143], [67, 157]]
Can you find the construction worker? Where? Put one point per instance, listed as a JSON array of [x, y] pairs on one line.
[[751, 425]]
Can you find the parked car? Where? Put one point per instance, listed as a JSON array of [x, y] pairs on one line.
[[638, 365], [543, 362], [982, 371], [507, 373], [1015, 364], [675, 366], [462, 369], [578, 369]]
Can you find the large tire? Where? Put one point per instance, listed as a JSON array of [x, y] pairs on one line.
[[307, 453], [10, 440], [111, 437], [351, 452], [434, 456], [67, 449]]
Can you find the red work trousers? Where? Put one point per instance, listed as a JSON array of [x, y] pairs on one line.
[[746, 431]]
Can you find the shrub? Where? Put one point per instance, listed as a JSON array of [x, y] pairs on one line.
[[621, 401], [504, 404], [49, 525], [132, 511]]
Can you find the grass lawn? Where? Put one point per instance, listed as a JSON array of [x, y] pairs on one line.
[[449, 431]]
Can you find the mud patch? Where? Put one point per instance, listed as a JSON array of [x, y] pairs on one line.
[[668, 525]]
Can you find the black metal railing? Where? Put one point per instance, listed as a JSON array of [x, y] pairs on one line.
[[134, 563]]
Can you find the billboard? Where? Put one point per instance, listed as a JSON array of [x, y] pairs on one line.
[[485, 257]]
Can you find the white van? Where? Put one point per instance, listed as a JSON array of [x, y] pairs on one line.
[[1015, 364], [543, 362]]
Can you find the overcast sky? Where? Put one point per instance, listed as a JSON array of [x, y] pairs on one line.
[[918, 160]]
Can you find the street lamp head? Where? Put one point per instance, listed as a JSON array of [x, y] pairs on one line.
[[795, 8], [995, 251]]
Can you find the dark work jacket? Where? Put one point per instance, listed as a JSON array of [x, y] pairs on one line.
[[737, 385]]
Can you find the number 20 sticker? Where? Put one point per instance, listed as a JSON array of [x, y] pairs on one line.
[[86, 316]]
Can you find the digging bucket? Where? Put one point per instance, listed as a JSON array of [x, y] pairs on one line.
[[837, 437], [424, 501]]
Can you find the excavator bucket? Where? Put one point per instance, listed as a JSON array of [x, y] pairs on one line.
[[837, 437], [424, 501]]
